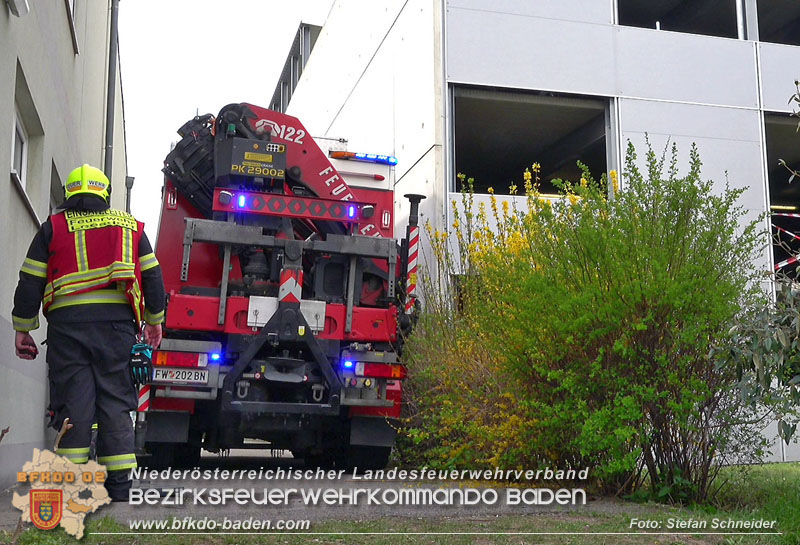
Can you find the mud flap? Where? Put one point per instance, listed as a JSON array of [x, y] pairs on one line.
[[372, 431], [167, 427]]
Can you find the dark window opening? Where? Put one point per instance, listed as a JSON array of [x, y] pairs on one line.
[[707, 17], [498, 134], [779, 21], [783, 145]]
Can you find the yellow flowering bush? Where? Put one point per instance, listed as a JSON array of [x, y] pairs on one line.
[[574, 332]]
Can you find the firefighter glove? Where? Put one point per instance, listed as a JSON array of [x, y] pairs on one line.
[[141, 363]]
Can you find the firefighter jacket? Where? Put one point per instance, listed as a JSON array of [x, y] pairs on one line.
[[89, 263]]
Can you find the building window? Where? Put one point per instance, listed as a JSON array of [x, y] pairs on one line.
[[708, 17], [779, 21], [27, 145], [19, 151], [783, 154], [498, 134]]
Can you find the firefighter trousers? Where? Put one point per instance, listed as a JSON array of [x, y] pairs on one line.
[[90, 382]]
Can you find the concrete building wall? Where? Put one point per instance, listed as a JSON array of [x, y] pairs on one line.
[[779, 68], [683, 87], [378, 85], [53, 70], [668, 86]]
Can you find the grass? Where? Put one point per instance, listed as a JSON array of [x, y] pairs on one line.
[[570, 524], [770, 492]]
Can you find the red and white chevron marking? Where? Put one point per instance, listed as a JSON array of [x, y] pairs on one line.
[[413, 258], [786, 262], [144, 398], [291, 286], [786, 215], [782, 230]]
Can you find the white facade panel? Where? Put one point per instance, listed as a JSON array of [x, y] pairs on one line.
[[366, 118], [685, 67], [494, 48], [515, 202], [780, 67], [389, 105], [342, 54], [728, 140], [422, 180], [499, 49], [560, 10], [414, 84], [776, 452]]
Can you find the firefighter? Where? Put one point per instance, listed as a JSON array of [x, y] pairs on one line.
[[97, 277]]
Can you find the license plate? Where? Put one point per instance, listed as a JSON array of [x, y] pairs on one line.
[[180, 376]]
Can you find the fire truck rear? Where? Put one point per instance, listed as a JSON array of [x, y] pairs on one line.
[[288, 297]]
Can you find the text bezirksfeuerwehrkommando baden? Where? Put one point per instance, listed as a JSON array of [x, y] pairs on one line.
[[356, 496]]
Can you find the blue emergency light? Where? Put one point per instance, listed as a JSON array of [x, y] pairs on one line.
[[351, 211], [348, 364], [366, 157], [376, 158], [242, 201], [215, 356]]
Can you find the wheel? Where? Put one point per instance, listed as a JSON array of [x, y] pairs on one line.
[[324, 460], [186, 456], [162, 455], [366, 457]]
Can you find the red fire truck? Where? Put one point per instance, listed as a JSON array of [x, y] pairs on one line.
[[288, 296]]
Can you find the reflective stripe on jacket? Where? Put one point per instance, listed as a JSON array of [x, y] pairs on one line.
[[94, 259]]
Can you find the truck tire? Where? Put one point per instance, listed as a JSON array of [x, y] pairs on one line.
[[171, 455], [323, 461], [366, 457], [162, 455], [186, 456]]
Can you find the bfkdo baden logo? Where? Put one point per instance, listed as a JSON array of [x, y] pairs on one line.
[[46, 508], [55, 492]]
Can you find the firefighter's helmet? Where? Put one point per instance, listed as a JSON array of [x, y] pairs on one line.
[[88, 180]]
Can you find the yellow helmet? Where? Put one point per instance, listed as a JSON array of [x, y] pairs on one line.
[[87, 179]]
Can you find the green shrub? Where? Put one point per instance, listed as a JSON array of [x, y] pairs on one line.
[[582, 329], [763, 351]]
